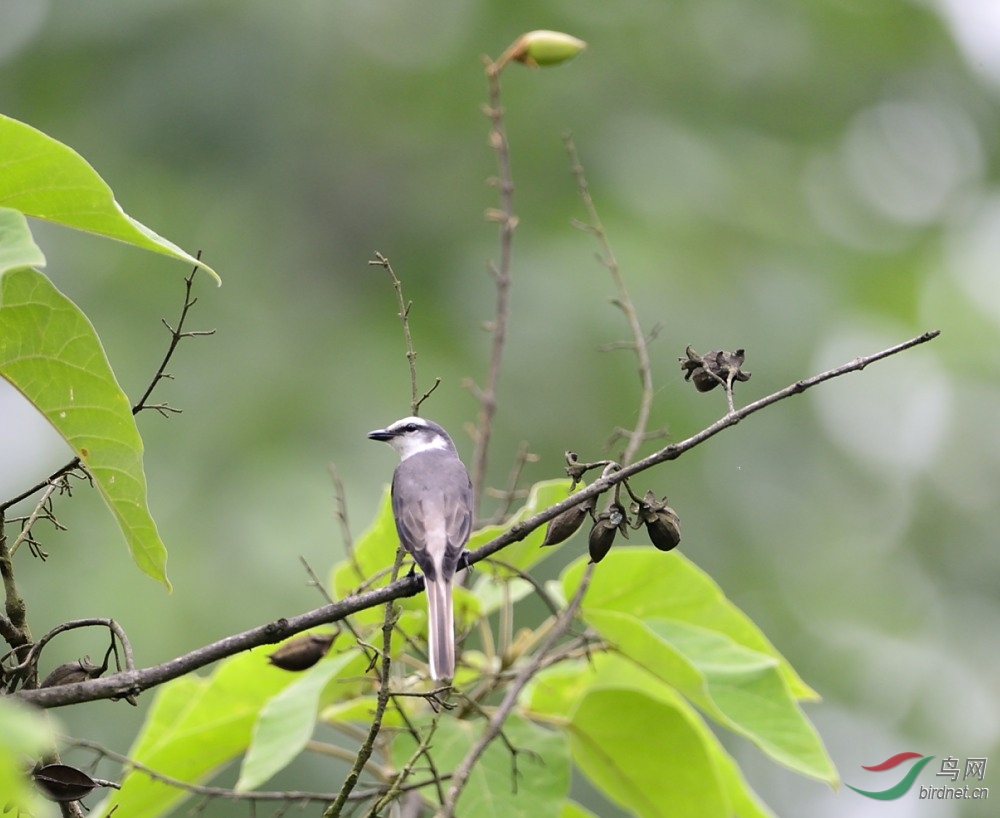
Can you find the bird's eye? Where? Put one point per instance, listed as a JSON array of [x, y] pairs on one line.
[[410, 427]]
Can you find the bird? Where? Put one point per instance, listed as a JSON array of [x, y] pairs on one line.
[[432, 506]]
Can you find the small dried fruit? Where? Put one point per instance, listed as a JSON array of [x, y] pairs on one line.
[[713, 368], [62, 783], [565, 525], [79, 670], [302, 652], [661, 521], [602, 535]]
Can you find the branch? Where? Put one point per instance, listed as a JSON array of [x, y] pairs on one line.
[[507, 221], [131, 682], [382, 700]]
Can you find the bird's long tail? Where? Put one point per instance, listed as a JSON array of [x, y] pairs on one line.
[[440, 629]]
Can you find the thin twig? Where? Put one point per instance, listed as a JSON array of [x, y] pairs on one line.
[[42, 509], [506, 222], [509, 494], [176, 334], [381, 701], [404, 316], [595, 227], [198, 789]]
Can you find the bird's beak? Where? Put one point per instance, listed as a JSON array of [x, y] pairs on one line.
[[380, 434]]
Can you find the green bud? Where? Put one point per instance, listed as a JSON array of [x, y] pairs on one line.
[[545, 48]]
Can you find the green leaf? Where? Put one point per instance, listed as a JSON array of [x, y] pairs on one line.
[[559, 690], [647, 583], [24, 734], [195, 726], [543, 768], [287, 721], [740, 688], [17, 246], [648, 754], [51, 354], [44, 178]]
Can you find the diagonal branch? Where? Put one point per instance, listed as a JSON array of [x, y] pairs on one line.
[[132, 682]]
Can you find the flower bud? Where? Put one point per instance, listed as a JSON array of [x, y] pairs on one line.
[[302, 652], [545, 48]]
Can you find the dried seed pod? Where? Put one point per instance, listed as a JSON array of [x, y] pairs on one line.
[[79, 670], [62, 783], [709, 370], [302, 652], [661, 521], [565, 525], [606, 527]]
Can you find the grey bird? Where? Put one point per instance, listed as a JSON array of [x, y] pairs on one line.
[[432, 505]]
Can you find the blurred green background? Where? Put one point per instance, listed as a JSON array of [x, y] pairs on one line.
[[812, 180]]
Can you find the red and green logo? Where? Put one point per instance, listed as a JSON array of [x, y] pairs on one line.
[[890, 763]]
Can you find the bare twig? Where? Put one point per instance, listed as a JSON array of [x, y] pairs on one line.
[[506, 222], [404, 316], [509, 494], [176, 334], [381, 701], [291, 796], [43, 509], [595, 227]]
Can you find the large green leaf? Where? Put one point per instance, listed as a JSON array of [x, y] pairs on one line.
[[493, 791], [648, 754], [287, 721], [647, 583], [51, 354], [622, 751], [41, 177], [194, 727], [740, 688]]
